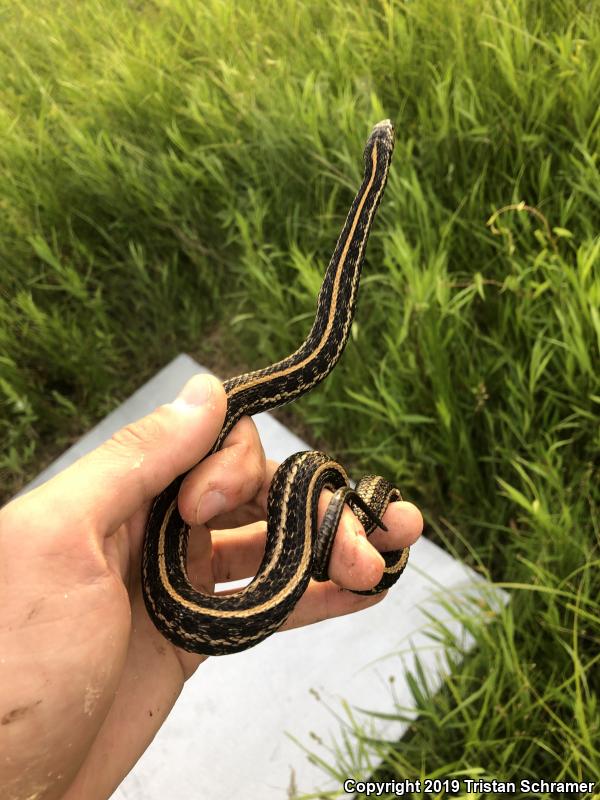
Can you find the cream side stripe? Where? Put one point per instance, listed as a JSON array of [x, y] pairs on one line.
[[301, 364], [363, 242], [272, 601]]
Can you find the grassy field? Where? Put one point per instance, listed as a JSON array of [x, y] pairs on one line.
[[173, 176]]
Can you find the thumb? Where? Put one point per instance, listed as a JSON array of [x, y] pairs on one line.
[[112, 482]]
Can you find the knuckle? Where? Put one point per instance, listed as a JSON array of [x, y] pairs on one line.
[[257, 477], [141, 432], [250, 479], [250, 438], [249, 472], [243, 451]]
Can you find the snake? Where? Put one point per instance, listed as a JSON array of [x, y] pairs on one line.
[[297, 549]]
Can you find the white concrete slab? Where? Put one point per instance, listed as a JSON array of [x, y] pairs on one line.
[[232, 731]]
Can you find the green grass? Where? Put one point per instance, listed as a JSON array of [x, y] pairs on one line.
[[173, 177]]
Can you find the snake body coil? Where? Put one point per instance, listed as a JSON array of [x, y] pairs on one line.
[[296, 549]]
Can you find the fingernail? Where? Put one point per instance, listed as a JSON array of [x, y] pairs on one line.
[[196, 392], [211, 504]]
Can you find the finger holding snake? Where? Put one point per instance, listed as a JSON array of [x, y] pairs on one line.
[[239, 476], [356, 562]]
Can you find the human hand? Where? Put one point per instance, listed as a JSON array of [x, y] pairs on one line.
[[85, 678]]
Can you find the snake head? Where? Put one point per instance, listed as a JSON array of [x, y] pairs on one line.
[[384, 136]]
